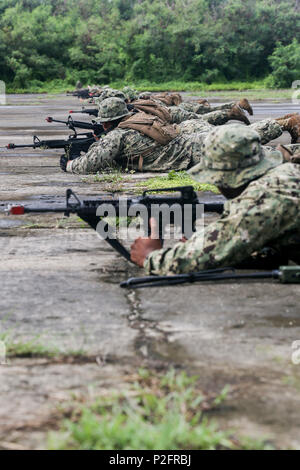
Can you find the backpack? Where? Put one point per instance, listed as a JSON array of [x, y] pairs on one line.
[[170, 99], [151, 126], [151, 107]]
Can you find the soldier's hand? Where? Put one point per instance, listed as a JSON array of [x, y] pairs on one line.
[[142, 247], [63, 163]]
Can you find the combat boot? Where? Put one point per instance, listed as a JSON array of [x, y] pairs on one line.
[[291, 124], [244, 104], [204, 102], [287, 116], [238, 114]]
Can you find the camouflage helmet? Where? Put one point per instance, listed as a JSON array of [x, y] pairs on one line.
[[112, 109], [110, 93], [233, 156], [130, 93], [145, 95]]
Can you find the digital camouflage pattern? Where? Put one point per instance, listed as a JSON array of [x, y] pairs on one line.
[[109, 93], [178, 115], [204, 108], [233, 156], [266, 214], [268, 129], [123, 147], [112, 109], [215, 118], [130, 93]]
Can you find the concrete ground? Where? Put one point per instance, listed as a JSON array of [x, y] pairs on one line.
[[60, 287]]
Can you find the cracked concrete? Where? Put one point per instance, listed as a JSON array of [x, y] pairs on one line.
[[60, 287]]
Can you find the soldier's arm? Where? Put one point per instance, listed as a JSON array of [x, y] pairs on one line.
[[248, 224], [100, 156]]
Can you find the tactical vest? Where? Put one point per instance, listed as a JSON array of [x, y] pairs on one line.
[[151, 126], [152, 107], [170, 99]]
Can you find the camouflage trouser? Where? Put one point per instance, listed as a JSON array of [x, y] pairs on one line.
[[268, 129], [194, 107], [216, 118]]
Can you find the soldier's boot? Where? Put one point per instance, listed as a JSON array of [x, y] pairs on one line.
[[244, 104], [204, 102], [238, 114], [283, 118], [292, 125]]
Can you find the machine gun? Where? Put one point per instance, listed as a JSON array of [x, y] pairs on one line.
[[71, 124], [88, 210], [72, 146]]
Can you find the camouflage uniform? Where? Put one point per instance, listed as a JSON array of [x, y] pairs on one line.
[[200, 108], [130, 93], [109, 93], [179, 115], [123, 148], [268, 129], [266, 214]]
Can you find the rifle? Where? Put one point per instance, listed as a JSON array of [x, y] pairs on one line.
[[83, 94], [90, 112], [87, 210], [73, 146], [285, 274], [94, 112], [71, 124]]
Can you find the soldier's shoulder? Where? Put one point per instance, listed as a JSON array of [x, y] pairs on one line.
[[116, 133], [284, 171], [284, 178]]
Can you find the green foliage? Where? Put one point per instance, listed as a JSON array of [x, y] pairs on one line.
[[33, 348], [156, 412], [104, 41], [285, 62], [29, 348], [175, 179]]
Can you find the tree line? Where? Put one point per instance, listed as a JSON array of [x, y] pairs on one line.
[[102, 41]]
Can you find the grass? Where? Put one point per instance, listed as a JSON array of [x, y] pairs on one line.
[[255, 89], [178, 85], [112, 181], [30, 348], [172, 180], [165, 412], [33, 348]]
